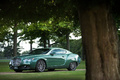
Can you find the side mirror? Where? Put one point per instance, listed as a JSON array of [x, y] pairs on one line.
[[52, 53]]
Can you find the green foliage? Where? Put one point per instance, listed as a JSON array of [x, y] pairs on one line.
[[7, 37], [28, 32], [3, 32], [115, 9], [25, 52], [63, 28], [75, 48], [25, 10], [1, 54], [8, 51], [119, 34], [47, 18]]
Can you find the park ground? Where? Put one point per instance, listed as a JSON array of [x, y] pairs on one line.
[[58, 74]]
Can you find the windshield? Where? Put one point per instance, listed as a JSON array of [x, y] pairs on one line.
[[40, 51]]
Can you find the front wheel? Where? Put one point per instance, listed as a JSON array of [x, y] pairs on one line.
[[40, 66], [72, 66]]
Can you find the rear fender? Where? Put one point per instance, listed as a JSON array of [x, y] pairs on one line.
[[72, 58]]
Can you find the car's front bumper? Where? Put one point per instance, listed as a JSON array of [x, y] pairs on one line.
[[22, 67]]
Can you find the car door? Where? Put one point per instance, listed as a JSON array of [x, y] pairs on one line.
[[58, 59]]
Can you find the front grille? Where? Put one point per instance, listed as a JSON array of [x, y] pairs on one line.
[[16, 61]]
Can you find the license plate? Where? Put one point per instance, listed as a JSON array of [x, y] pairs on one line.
[[15, 67]]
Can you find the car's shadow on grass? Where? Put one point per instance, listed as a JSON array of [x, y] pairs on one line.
[[57, 70], [33, 71]]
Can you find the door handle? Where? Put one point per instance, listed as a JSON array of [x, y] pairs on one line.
[[63, 56]]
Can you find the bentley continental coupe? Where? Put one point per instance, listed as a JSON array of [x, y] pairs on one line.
[[45, 58]]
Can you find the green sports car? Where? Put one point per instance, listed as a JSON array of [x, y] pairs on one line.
[[45, 58]]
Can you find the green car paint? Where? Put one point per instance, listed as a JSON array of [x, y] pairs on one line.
[[54, 58]]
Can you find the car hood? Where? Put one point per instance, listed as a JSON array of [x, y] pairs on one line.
[[30, 56]]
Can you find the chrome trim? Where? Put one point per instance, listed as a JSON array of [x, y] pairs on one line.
[[16, 62]]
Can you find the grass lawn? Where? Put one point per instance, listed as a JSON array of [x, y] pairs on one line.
[[82, 65], [4, 60], [62, 75], [31, 75]]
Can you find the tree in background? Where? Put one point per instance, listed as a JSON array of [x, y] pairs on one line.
[[75, 48], [63, 29], [19, 11], [28, 33], [7, 37]]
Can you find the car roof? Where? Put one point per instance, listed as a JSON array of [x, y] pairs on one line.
[[55, 48], [52, 48]]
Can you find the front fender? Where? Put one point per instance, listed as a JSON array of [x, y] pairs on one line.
[[34, 62]]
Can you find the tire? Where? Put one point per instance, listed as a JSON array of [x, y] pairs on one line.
[[18, 70], [40, 66], [51, 69], [72, 66]]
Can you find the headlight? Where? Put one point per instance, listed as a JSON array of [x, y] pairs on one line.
[[26, 61]]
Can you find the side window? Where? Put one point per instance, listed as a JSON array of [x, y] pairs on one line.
[[59, 51]]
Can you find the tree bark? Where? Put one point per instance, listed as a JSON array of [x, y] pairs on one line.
[[49, 43], [15, 40], [31, 42], [100, 43], [67, 41], [44, 42], [83, 54]]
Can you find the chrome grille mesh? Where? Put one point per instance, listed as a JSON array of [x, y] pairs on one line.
[[16, 61]]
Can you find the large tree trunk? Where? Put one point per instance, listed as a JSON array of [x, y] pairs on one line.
[[100, 43], [83, 54], [15, 40]]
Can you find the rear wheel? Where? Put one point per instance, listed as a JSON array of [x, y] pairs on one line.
[[72, 66], [18, 70], [40, 66]]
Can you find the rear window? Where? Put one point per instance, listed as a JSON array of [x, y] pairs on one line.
[[40, 51]]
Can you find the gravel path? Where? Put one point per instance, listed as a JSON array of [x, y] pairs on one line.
[[3, 73]]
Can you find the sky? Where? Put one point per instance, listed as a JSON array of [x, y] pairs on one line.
[[26, 46]]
